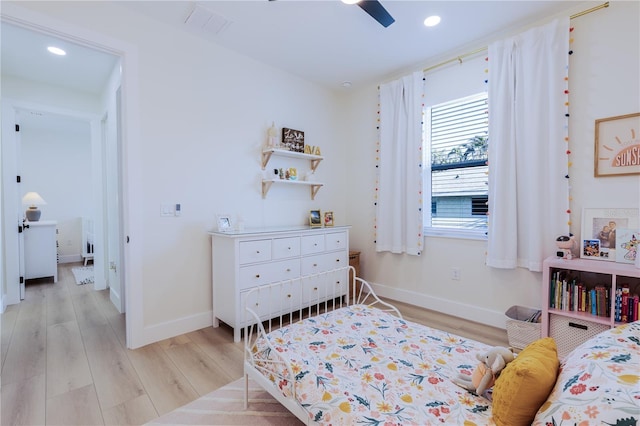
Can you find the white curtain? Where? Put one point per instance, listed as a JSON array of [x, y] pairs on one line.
[[528, 177], [399, 190]]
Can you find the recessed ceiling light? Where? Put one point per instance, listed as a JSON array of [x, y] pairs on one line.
[[432, 21], [350, 1], [346, 84], [56, 51]]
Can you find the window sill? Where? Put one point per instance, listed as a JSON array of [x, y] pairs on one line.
[[463, 234]]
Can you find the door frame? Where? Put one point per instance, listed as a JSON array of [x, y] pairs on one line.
[[131, 153]]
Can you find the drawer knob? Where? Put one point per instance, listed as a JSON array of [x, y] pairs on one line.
[[257, 251], [338, 282], [288, 248], [315, 289], [288, 269], [257, 303], [257, 275], [337, 260], [315, 264], [288, 295], [315, 244]]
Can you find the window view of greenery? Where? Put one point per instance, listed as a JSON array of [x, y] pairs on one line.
[[459, 138]]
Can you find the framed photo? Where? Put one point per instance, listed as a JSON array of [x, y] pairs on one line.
[[315, 219], [617, 146], [224, 223], [600, 230], [293, 140], [627, 241], [328, 218]]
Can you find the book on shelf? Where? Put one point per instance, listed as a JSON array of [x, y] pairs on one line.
[[570, 295]]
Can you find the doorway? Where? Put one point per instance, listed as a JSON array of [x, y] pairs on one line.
[[22, 82]]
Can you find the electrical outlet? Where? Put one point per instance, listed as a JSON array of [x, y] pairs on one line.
[[455, 274]]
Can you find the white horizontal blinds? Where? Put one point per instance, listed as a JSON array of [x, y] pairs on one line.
[[458, 163]]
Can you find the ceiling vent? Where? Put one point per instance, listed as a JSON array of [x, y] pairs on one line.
[[201, 19]]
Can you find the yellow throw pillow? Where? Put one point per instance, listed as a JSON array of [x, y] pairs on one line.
[[525, 383]]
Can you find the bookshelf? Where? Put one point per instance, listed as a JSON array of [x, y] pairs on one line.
[[579, 298]]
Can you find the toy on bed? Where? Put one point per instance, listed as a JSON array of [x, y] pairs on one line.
[[484, 376]]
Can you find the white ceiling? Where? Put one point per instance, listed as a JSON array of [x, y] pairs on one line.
[[323, 41]]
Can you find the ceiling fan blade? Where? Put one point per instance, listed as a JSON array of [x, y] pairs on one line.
[[377, 12]]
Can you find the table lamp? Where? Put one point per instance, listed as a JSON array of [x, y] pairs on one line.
[[33, 199]]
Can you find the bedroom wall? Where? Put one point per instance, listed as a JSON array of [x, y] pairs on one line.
[[203, 112], [56, 163], [603, 83]]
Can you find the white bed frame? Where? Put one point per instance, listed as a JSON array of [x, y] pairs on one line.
[[281, 297]]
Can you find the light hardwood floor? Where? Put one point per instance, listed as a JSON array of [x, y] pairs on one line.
[[64, 360]]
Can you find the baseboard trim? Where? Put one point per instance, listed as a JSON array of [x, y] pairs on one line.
[[168, 329], [461, 310]]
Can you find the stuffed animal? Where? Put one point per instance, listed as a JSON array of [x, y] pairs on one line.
[[485, 374], [566, 245]]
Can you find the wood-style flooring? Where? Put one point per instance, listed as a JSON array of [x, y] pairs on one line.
[[64, 360]]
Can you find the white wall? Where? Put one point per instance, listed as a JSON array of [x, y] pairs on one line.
[[56, 163], [603, 82]]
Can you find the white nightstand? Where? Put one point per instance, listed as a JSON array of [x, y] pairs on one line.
[[40, 250]]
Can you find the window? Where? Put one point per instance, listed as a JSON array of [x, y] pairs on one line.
[[458, 133]]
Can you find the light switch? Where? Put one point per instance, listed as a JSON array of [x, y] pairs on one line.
[[167, 209]]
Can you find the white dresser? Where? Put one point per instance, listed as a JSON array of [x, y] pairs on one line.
[[245, 259], [40, 250]]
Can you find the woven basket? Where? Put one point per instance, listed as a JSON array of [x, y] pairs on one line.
[[520, 332]]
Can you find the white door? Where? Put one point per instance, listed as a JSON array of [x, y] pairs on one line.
[[13, 267], [113, 210]]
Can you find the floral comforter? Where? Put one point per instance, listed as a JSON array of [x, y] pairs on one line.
[[361, 366], [599, 382]]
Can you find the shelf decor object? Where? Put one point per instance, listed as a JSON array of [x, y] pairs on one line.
[[617, 146], [314, 160], [33, 200], [599, 231], [293, 140]]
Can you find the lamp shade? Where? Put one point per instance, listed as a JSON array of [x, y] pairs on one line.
[[33, 199]]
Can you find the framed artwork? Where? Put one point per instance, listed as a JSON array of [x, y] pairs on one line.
[[293, 140], [328, 218], [617, 143], [600, 231], [627, 242], [224, 223], [314, 218]]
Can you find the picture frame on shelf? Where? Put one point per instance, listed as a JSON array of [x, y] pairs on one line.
[[617, 142], [315, 220], [328, 218], [293, 140], [224, 223], [627, 241], [600, 228]]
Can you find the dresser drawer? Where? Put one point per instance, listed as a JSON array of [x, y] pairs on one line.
[[254, 251], [324, 262], [254, 275], [336, 241], [286, 247], [312, 244]]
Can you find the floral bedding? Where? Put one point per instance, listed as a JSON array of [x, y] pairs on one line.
[[361, 366], [599, 382]]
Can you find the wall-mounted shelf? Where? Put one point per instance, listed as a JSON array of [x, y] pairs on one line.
[[267, 153], [266, 185]]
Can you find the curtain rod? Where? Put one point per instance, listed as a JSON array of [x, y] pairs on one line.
[[460, 57]]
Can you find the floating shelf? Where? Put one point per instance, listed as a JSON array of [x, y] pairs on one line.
[[267, 153], [266, 185]]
